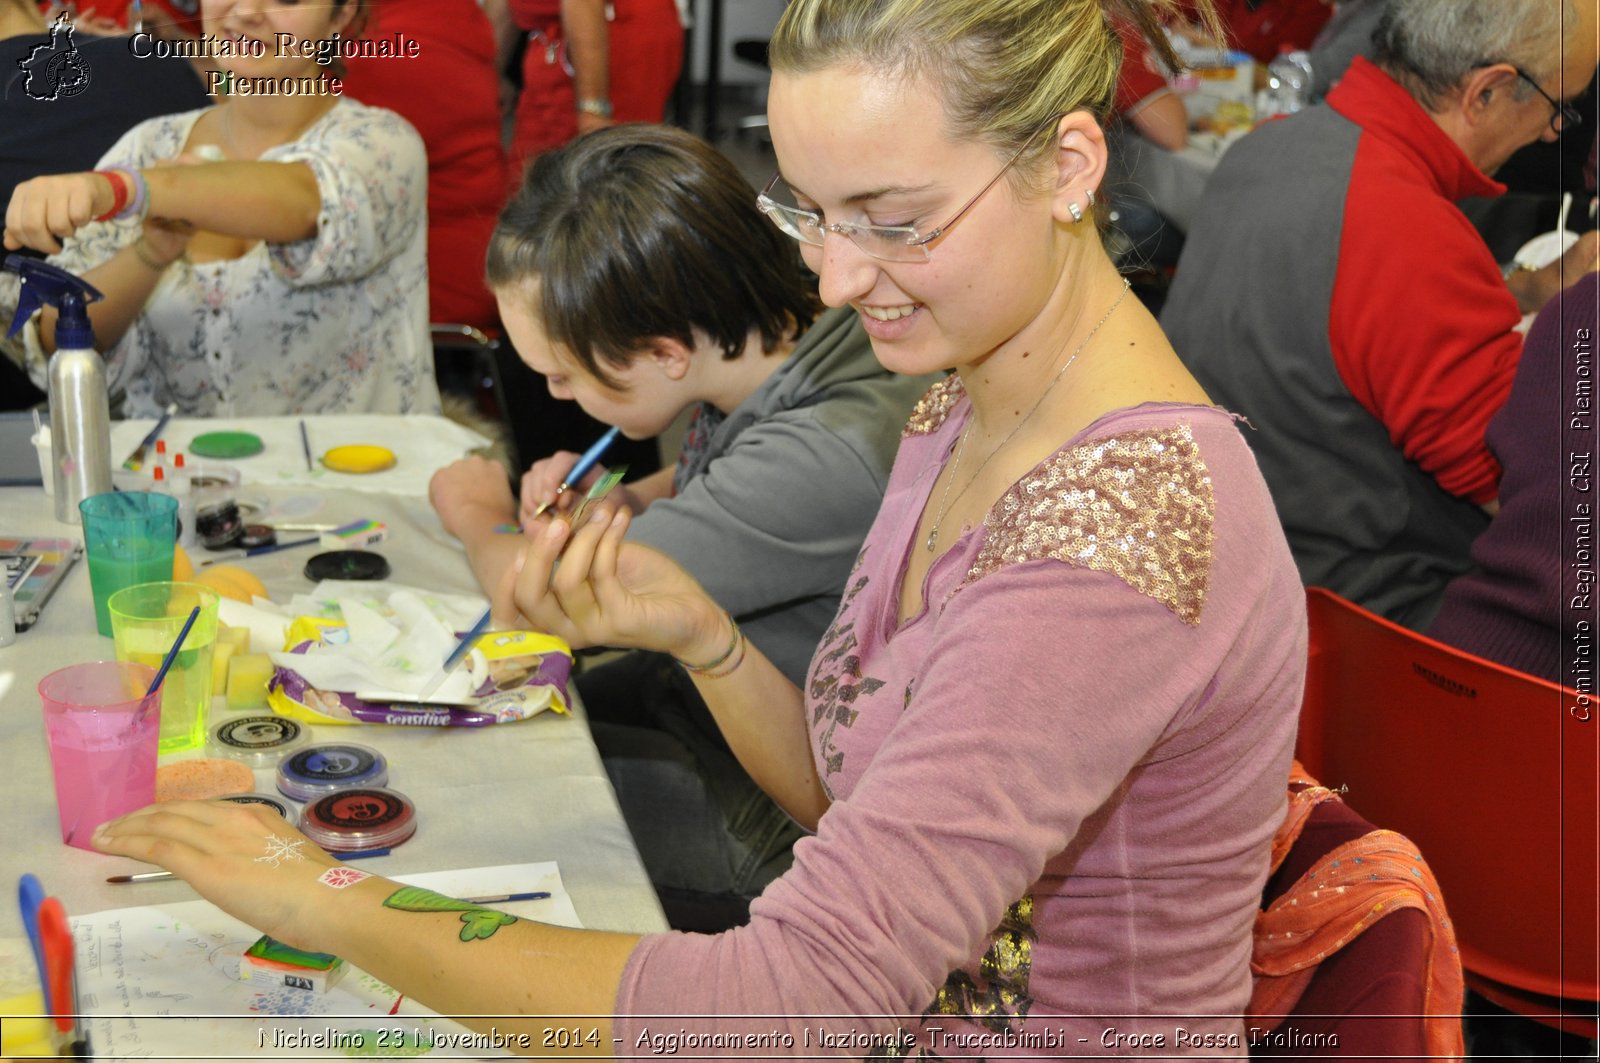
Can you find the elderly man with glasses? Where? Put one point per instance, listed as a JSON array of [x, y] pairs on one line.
[[1335, 295]]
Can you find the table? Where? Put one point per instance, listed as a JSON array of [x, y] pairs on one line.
[[528, 791]]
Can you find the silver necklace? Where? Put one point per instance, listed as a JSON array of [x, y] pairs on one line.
[[945, 501]]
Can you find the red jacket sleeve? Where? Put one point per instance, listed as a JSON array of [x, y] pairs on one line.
[[1422, 327]]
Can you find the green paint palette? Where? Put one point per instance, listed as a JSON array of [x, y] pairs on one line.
[[226, 445]]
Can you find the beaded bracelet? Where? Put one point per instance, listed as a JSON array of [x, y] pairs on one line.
[[724, 665]]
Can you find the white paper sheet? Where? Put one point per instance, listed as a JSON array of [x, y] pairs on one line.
[[422, 445], [161, 982]]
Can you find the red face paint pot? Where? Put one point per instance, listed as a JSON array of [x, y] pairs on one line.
[[360, 818]]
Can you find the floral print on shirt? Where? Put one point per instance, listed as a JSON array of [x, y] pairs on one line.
[[334, 323]]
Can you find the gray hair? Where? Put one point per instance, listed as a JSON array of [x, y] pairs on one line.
[[1429, 46]]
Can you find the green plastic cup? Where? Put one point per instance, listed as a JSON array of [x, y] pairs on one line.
[[145, 621], [129, 536]]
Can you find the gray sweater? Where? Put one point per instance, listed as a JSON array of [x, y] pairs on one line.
[[770, 514]]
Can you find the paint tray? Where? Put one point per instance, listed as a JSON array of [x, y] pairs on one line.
[[34, 568]]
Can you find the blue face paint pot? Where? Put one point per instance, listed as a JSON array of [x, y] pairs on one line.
[[317, 770]]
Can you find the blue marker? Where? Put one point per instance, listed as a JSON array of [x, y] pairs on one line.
[[581, 467]]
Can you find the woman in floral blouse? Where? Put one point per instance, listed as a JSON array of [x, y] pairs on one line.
[[264, 256]]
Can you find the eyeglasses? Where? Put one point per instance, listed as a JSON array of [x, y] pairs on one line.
[[1565, 116], [888, 243]]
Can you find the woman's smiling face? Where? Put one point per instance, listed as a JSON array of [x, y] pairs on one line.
[[264, 20], [857, 145]]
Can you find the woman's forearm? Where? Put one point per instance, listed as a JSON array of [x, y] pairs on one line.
[[762, 716], [583, 23], [480, 963], [278, 202]]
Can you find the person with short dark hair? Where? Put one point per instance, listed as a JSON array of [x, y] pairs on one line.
[[635, 274]]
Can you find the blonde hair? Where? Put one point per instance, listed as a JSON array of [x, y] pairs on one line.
[[1004, 67]]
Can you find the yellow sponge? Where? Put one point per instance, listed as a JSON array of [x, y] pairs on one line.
[[248, 675], [221, 655], [238, 636]]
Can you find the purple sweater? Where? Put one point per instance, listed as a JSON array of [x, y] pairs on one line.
[[1509, 608], [1053, 790]]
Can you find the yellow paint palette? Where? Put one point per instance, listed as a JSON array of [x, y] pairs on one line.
[[359, 457]]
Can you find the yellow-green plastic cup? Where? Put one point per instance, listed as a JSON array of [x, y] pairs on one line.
[[145, 621]]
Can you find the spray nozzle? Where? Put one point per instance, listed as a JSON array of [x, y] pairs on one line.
[[44, 284]]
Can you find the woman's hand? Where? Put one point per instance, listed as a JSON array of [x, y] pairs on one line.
[[471, 492], [539, 484], [243, 858], [45, 211], [607, 592]]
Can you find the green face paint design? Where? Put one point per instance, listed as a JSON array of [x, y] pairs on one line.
[[477, 923]]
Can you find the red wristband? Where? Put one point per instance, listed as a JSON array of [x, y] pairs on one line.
[[119, 191]]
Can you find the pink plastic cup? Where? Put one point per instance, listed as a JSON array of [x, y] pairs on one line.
[[103, 732]]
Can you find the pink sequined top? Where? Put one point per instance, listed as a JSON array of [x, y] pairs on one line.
[[1054, 789]]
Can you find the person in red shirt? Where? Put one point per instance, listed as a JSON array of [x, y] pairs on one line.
[[1143, 97], [450, 93], [1263, 28], [586, 65], [1333, 293]]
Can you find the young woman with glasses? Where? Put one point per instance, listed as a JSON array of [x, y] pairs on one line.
[[1044, 744]]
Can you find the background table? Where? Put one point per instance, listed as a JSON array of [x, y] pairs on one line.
[[528, 791]]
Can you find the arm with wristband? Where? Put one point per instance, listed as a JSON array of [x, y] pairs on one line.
[[607, 592], [277, 202]]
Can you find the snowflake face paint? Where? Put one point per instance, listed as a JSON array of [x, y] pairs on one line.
[[281, 850]]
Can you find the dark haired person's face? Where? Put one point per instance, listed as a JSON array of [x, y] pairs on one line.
[[644, 404]]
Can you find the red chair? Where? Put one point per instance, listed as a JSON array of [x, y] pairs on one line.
[[1493, 774]]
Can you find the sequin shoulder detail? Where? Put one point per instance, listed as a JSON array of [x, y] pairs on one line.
[[934, 407], [1136, 504]]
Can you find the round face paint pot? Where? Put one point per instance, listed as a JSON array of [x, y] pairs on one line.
[[347, 564], [359, 458], [277, 804], [318, 770], [260, 740], [257, 535], [359, 819], [226, 445]]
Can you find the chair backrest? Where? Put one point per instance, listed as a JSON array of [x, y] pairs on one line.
[[1491, 772]]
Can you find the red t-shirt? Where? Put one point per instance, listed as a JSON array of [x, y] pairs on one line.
[[450, 92]]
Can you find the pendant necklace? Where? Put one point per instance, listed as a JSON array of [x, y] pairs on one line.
[[945, 501]]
